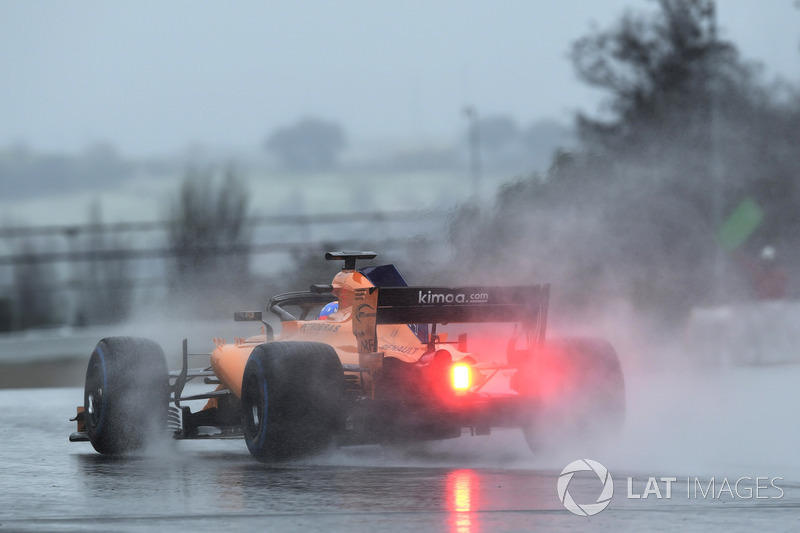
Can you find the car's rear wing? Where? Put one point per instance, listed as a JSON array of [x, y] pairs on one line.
[[436, 305]]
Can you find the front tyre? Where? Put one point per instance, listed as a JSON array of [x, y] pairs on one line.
[[292, 400], [126, 394]]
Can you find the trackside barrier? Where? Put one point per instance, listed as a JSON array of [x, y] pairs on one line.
[[758, 333]]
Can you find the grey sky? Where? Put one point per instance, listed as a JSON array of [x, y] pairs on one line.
[[152, 77]]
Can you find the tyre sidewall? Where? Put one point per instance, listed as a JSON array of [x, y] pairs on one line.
[[131, 375], [576, 392]]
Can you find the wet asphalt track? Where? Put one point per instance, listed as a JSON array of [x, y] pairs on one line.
[[49, 484]]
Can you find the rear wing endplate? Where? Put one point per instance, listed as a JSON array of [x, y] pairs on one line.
[[436, 305]]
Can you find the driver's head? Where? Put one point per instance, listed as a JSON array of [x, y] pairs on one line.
[[329, 309], [768, 253]]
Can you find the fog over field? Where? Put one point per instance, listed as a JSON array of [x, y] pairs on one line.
[[155, 79]]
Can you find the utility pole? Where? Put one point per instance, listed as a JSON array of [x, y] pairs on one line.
[[715, 159], [471, 114]]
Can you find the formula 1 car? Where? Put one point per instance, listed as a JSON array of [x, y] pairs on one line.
[[372, 368]]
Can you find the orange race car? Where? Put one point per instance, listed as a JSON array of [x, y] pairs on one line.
[[359, 361]]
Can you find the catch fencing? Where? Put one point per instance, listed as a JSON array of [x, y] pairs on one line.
[[69, 262]]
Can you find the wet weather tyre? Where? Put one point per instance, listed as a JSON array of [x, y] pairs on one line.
[[126, 394], [292, 400], [577, 392]]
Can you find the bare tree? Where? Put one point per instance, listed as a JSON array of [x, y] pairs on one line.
[[208, 235], [106, 286], [33, 283]]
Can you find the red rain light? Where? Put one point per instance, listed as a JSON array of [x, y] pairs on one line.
[[461, 377]]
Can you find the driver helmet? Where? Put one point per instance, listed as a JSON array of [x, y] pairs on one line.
[[329, 309]]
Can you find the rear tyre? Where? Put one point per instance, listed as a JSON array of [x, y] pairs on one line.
[[577, 393], [126, 394], [292, 400]]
